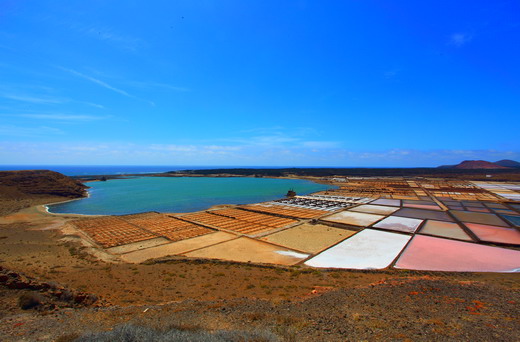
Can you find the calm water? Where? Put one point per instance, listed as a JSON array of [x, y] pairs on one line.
[[180, 194]]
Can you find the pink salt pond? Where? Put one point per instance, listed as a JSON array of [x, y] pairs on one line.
[[436, 254], [495, 234]]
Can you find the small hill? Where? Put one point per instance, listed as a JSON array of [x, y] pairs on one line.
[[474, 165], [19, 189], [508, 163]]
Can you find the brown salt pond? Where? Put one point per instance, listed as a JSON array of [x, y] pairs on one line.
[[308, 237], [483, 218], [424, 214], [246, 249], [131, 247], [445, 229], [177, 247]]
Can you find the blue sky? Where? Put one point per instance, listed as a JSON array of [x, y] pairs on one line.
[[293, 83]]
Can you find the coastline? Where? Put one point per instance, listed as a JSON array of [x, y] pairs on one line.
[[45, 207]]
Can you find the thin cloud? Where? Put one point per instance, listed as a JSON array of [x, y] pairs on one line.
[[320, 144], [157, 85], [22, 131], [391, 74], [173, 148], [104, 84], [63, 117], [32, 99], [114, 38], [92, 104], [105, 34], [193, 148], [96, 81], [460, 39]]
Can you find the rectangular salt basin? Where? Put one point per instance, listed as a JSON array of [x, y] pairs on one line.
[[400, 224], [445, 229], [495, 234], [246, 249], [495, 205], [386, 201], [478, 209], [423, 206], [483, 218], [424, 214], [428, 253], [178, 247], [515, 220], [473, 204], [368, 249], [374, 209], [455, 207], [506, 211], [448, 202], [418, 202], [309, 238], [353, 218], [138, 245]]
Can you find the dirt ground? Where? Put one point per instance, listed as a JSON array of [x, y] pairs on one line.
[[295, 303]]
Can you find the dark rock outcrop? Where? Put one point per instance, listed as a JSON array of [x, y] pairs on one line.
[[19, 184], [45, 295]]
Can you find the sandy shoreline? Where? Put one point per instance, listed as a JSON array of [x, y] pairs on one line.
[[44, 208]]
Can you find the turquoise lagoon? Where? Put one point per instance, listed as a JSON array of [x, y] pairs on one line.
[[180, 194]]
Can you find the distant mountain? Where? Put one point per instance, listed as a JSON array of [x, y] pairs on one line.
[[446, 167], [474, 164], [508, 163]]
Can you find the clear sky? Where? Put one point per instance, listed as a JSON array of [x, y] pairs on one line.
[[267, 82]]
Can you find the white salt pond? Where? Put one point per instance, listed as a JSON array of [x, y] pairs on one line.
[[368, 249]]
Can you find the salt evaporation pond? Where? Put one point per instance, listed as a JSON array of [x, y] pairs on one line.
[[180, 194]]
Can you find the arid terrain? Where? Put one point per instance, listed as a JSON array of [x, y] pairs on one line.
[[53, 289]]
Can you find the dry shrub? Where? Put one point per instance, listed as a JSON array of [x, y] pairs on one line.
[[30, 300], [131, 333]]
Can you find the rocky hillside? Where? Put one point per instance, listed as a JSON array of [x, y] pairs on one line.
[[19, 189], [508, 163]]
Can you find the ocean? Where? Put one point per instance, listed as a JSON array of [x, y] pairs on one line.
[[91, 170], [180, 194], [88, 170]]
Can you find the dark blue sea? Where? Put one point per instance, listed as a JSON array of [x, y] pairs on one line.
[[88, 170]]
